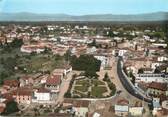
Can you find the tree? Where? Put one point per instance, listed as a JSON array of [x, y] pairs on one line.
[[157, 71], [111, 34], [132, 77], [93, 43], [85, 63], [112, 88], [11, 107], [67, 55], [3, 75], [91, 74], [106, 77], [67, 94], [140, 71], [16, 43], [33, 53], [59, 40], [47, 50]]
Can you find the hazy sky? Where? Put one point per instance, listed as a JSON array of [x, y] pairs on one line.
[[83, 7]]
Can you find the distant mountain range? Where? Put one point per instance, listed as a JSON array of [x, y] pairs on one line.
[[158, 16]]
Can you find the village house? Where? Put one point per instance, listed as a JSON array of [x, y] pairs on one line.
[[53, 83], [148, 78], [91, 50], [138, 62], [156, 64], [96, 114], [42, 95], [11, 84], [136, 110], [164, 45], [156, 105], [59, 50], [79, 107], [121, 108], [165, 107], [163, 68], [32, 48], [2, 104], [147, 70], [26, 80], [104, 60], [157, 89], [122, 52], [43, 78], [63, 70], [22, 95]]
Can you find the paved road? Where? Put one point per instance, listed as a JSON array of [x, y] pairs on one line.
[[64, 87], [127, 85]]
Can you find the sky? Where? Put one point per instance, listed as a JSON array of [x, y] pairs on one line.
[[83, 7]]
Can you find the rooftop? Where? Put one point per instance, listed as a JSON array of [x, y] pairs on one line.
[[159, 86], [54, 80]]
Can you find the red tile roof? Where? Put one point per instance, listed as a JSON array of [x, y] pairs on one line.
[[11, 83], [123, 102], [2, 109], [22, 92], [158, 86], [54, 80], [8, 97], [43, 90]]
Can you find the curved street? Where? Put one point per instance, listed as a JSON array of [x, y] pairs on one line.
[[126, 84]]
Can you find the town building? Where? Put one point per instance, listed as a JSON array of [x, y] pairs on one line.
[[148, 78], [157, 89], [80, 107], [42, 95], [53, 83], [22, 95], [11, 83], [121, 108]]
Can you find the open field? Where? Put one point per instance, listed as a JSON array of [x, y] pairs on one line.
[[98, 91], [14, 63]]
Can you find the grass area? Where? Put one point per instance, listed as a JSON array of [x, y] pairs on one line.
[[84, 82], [83, 85], [97, 82], [40, 62], [27, 63], [78, 94], [98, 91], [81, 88]]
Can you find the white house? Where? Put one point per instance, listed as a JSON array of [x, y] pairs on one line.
[[31, 48], [156, 64], [148, 78], [104, 60], [162, 58], [96, 115], [164, 45], [118, 39], [146, 37], [122, 52], [136, 111], [156, 105], [165, 104], [91, 50], [121, 110], [42, 95], [64, 70]]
